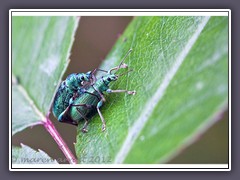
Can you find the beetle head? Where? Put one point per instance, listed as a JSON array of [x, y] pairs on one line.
[[109, 78], [84, 77]]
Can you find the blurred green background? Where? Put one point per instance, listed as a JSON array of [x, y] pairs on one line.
[[94, 39]]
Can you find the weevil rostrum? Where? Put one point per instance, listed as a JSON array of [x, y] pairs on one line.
[[81, 95]]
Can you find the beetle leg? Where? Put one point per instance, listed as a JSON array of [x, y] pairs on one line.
[[63, 117], [97, 69], [118, 67], [84, 129], [66, 120], [120, 91], [100, 103], [100, 94], [121, 65], [63, 114], [94, 79]]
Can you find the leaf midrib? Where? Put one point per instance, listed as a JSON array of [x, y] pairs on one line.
[[29, 100]]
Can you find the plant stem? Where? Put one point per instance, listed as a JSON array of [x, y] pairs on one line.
[[58, 139]]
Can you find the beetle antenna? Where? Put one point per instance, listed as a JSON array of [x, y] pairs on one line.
[[121, 65], [125, 72], [129, 51]]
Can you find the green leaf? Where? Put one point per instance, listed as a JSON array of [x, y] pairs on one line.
[[23, 114], [40, 51], [181, 78], [26, 155]]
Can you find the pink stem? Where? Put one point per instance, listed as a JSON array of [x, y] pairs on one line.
[[58, 139]]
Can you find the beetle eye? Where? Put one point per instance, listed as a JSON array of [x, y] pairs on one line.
[[109, 79]]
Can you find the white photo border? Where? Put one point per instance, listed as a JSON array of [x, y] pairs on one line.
[[119, 167]]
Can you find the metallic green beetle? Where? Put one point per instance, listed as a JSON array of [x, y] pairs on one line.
[[85, 104], [67, 89]]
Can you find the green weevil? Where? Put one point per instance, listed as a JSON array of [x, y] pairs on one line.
[[84, 104], [73, 84]]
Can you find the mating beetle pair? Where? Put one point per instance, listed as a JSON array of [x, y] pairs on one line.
[[81, 95]]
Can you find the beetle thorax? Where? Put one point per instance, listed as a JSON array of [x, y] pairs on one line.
[[102, 84], [72, 82]]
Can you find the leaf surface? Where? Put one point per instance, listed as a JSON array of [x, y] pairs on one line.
[[26, 155], [181, 78], [40, 51]]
